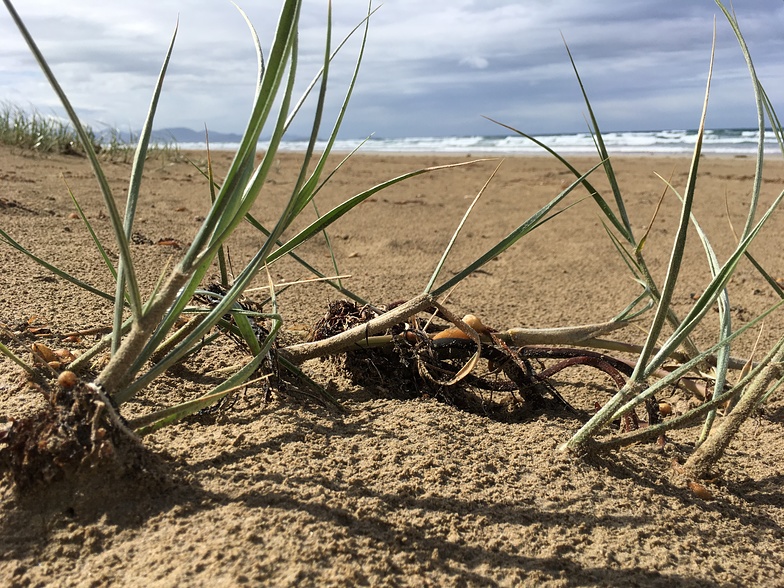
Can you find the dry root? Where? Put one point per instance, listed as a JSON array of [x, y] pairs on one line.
[[78, 431], [419, 358]]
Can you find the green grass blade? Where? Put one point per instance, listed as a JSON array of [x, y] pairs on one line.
[[676, 257], [167, 416], [87, 143], [245, 197], [683, 369], [341, 209], [161, 418], [334, 284], [348, 156], [605, 157], [312, 185], [301, 197], [54, 269], [688, 417], [757, 87], [775, 123], [630, 261], [232, 193], [317, 77], [713, 290], [235, 197], [16, 359], [768, 278], [213, 186], [628, 314], [224, 274], [774, 388], [258, 226], [619, 408], [601, 202], [137, 169], [328, 242], [90, 230], [306, 189], [462, 222], [725, 326], [142, 144], [512, 238], [246, 332], [645, 365]]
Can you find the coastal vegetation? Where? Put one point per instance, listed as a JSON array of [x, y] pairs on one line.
[[422, 341], [32, 131]]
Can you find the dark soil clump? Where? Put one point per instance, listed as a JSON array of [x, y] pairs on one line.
[[77, 433]]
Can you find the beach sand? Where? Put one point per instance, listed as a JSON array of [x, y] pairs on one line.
[[398, 491]]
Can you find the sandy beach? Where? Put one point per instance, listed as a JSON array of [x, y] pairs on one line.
[[281, 491]]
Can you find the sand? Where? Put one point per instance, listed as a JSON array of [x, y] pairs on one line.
[[398, 491]]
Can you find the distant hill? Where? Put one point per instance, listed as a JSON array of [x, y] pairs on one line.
[[183, 135], [177, 135]]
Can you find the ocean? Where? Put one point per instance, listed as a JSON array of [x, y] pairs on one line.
[[669, 142]]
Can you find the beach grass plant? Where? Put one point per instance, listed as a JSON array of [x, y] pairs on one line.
[[660, 347], [143, 324], [148, 338], [31, 130]]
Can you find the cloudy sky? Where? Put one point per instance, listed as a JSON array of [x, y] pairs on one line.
[[432, 67]]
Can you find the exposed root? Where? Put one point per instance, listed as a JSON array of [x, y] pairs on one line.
[[416, 358], [78, 431]]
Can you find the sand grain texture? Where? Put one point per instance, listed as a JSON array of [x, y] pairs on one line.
[[396, 492]]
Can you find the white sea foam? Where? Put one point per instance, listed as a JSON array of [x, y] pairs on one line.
[[719, 141]]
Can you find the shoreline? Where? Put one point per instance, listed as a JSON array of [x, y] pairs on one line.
[[497, 155]]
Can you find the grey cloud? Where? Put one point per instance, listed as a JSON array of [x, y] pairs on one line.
[[430, 68]]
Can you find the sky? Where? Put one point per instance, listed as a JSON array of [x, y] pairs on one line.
[[431, 67]]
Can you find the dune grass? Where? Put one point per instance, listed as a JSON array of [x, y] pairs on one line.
[[712, 363], [136, 339], [30, 130], [147, 338]]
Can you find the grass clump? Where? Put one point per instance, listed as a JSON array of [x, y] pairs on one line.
[[33, 131], [674, 349], [30, 130], [154, 331]]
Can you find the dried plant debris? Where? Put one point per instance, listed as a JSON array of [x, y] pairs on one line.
[[422, 358], [341, 316], [78, 431]]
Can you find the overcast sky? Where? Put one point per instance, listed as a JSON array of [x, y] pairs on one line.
[[432, 67]]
